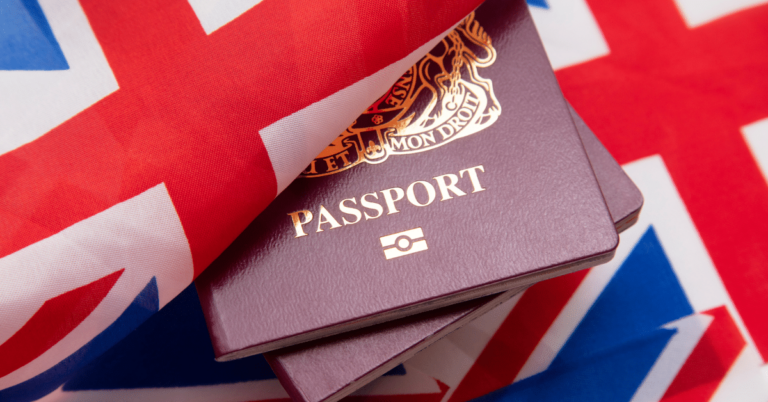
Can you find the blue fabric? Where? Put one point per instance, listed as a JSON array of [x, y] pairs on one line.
[[172, 349], [26, 39], [399, 370], [538, 3], [643, 295], [612, 375], [143, 306], [614, 347]]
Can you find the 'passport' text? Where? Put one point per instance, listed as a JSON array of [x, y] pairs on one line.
[[386, 202]]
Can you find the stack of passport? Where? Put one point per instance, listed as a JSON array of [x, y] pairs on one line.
[[468, 181]]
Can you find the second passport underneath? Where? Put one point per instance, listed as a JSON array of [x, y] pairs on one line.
[[328, 369], [467, 179]]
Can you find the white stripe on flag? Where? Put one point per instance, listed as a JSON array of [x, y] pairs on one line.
[[294, 141], [142, 235], [680, 239], [450, 359], [569, 32], [700, 12], [664, 209], [756, 136], [214, 14], [746, 381], [690, 329], [572, 314], [34, 102]]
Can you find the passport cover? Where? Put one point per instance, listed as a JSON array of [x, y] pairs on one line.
[[332, 368], [466, 179]]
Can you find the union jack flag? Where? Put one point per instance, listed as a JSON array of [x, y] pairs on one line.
[[109, 208], [138, 139], [676, 90], [657, 323]]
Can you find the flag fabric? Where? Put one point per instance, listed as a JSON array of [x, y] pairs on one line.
[[675, 89], [655, 324], [138, 139], [170, 357]]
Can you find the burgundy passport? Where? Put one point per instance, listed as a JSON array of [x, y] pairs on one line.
[[331, 368], [468, 178]]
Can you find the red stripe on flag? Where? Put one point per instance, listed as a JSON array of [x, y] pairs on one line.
[[517, 337], [684, 93], [709, 361], [190, 107], [53, 321]]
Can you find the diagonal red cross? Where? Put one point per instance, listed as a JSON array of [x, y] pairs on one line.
[[190, 107], [684, 93]]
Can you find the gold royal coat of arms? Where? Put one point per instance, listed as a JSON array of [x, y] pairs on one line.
[[438, 100]]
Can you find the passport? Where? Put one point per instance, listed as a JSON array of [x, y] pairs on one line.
[[331, 368], [466, 179]]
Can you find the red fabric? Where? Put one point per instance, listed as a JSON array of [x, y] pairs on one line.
[[710, 360], [517, 337], [190, 107], [684, 93], [53, 321]]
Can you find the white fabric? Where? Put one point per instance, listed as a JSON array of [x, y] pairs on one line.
[[700, 12], [142, 235], [756, 136], [689, 332], [569, 32], [449, 359], [294, 141], [34, 102], [214, 14]]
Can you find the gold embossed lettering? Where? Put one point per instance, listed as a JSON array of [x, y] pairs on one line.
[[390, 200], [450, 185], [446, 130], [456, 122], [350, 211], [441, 98], [326, 217], [398, 143], [414, 144], [412, 194], [419, 193], [399, 91], [330, 162], [344, 158], [311, 168], [472, 173], [371, 205], [392, 101], [471, 103], [298, 223], [428, 137]]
